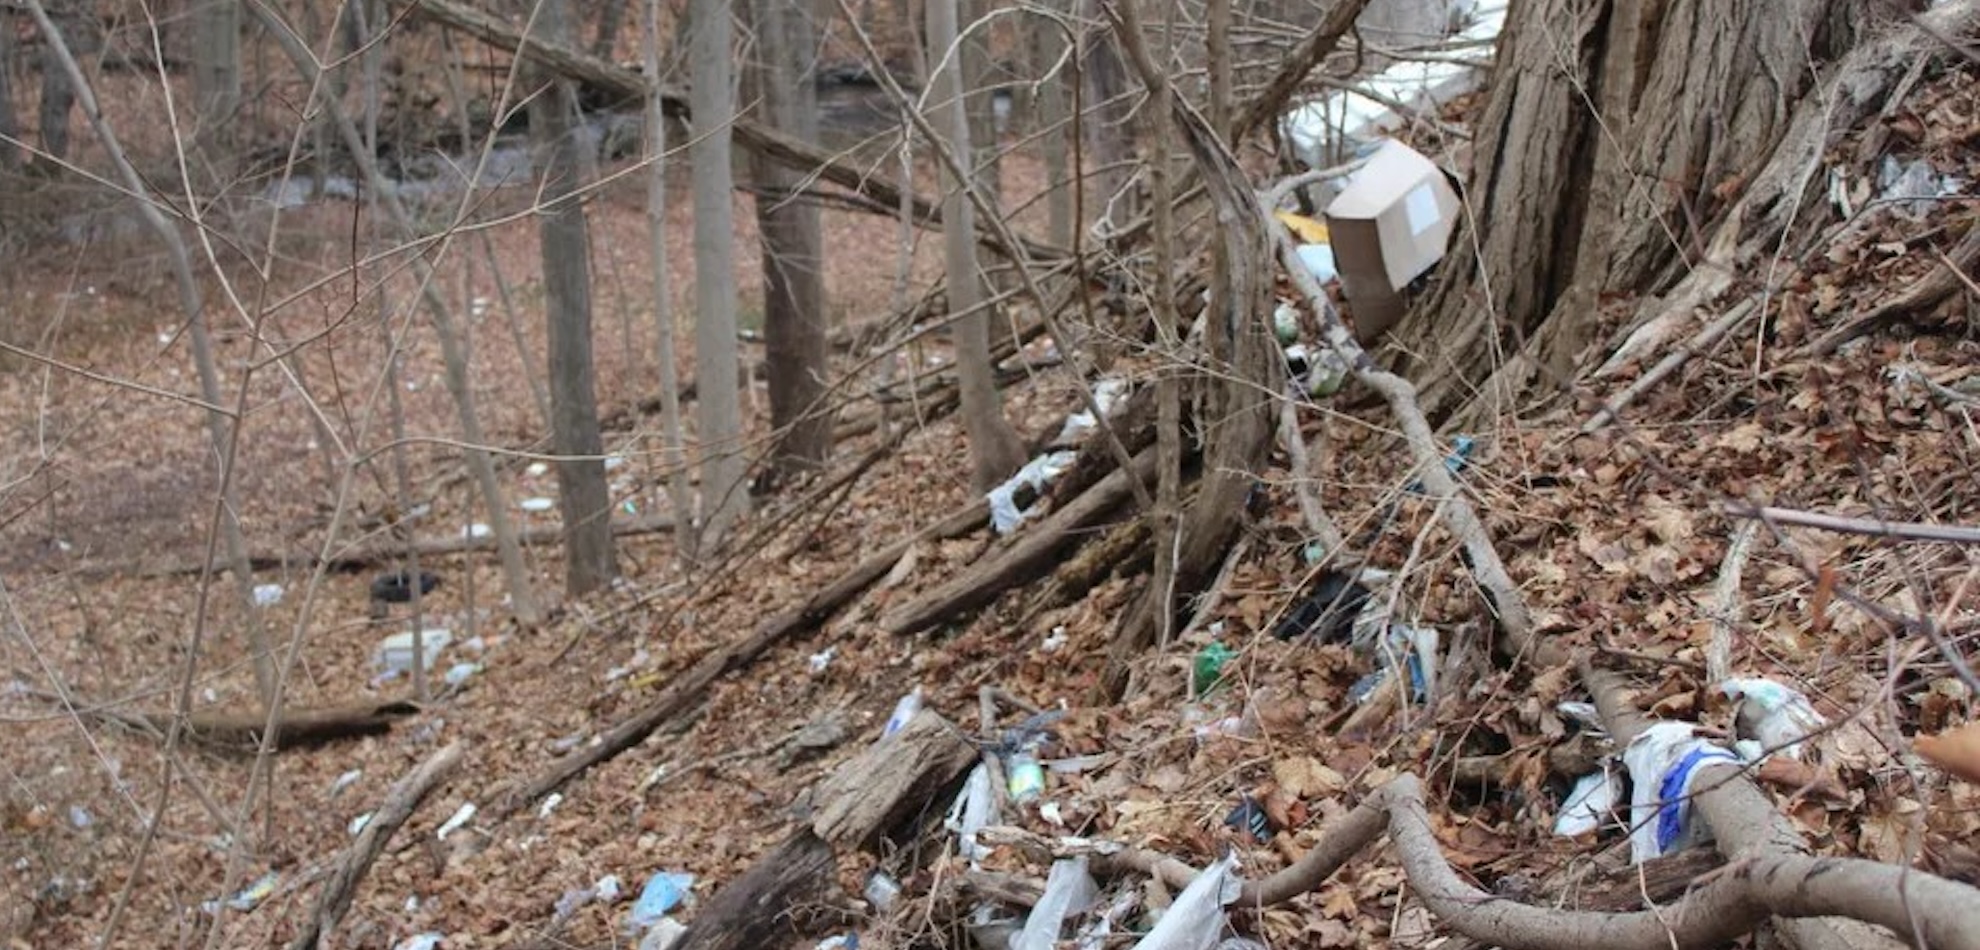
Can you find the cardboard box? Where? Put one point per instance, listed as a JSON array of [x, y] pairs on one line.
[[1389, 225]]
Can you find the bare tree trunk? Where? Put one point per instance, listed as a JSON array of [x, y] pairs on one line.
[[584, 500], [995, 451], [719, 404], [1665, 106], [611, 16], [795, 323], [673, 458], [1047, 43], [58, 87], [216, 76], [10, 123], [1104, 123]]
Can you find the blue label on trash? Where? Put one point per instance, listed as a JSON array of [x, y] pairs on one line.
[[1670, 814]]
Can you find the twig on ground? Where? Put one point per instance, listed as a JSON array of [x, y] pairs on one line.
[[1725, 604], [1903, 530]]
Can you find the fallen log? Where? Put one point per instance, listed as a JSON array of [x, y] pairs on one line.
[[688, 687], [240, 730], [884, 788], [777, 146], [1033, 552]]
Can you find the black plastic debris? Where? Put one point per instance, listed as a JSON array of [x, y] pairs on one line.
[[1250, 818], [1327, 611], [396, 587]]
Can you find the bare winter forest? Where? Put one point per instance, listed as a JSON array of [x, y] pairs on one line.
[[970, 473]]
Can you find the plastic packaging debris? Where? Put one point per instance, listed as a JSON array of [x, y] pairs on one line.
[[1195, 921], [1107, 393], [1027, 775], [460, 672], [356, 825], [639, 660], [820, 660], [975, 809], [1589, 803], [1454, 463], [1006, 513], [1249, 817], [421, 941], [1285, 323], [1303, 227], [251, 896], [462, 816], [80, 818], [536, 504], [1772, 718], [1053, 641], [1328, 610], [1319, 261], [267, 595], [839, 942], [1316, 371], [607, 888], [904, 710], [1914, 186], [1583, 713], [345, 781], [395, 653], [550, 803], [477, 530], [881, 890], [1208, 670], [663, 892], [537, 469], [1069, 891], [664, 933], [1663, 761]]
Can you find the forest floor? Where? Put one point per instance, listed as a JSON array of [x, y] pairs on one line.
[[1619, 538]]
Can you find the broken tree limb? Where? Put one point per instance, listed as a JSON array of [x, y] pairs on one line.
[[1943, 281], [240, 730], [881, 789], [687, 688], [1033, 552], [400, 802], [784, 149]]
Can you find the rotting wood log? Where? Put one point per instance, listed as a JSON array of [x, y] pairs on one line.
[[1028, 555], [804, 157], [240, 730], [363, 556], [400, 802], [687, 688], [883, 788]]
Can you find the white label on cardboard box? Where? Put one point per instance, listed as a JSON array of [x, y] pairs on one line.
[[1421, 206]]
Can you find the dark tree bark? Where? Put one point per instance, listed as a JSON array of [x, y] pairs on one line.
[[584, 499], [58, 93], [794, 319], [611, 16], [10, 124], [1616, 136]]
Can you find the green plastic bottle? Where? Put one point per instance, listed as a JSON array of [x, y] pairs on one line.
[[1208, 673]]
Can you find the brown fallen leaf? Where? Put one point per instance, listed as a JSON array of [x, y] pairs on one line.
[[1956, 750]]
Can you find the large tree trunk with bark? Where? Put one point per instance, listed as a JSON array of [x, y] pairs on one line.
[[584, 499], [1667, 107], [724, 497], [794, 320]]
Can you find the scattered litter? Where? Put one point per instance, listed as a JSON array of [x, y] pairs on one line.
[[1390, 225], [974, 810], [904, 710], [1303, 227], [608, 888], [1589, 803], [1050, 812], [1207, 673], [462, 816], [345, 781], [664, 933], [477, 530], [1195, 921], [640, 659], [839, 942], [267, 595], [1249, 818], [1454, 463], [822, 659], [1914, 187], [1583, 713], [1107, 393], [1006, 513], [1285, 323], [80, 818], [550, 803], [881, 890], [1319, 261], [421, 941], [1027, 776], [537, 469], [356, 826], [395, 653], [1054, 640], [249, 897], [1069, 891], [1663, 761], [663, 892], [396, 587], [459, 673], [1328, 610], [1772, 718], [614, 461], [536, 504]]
